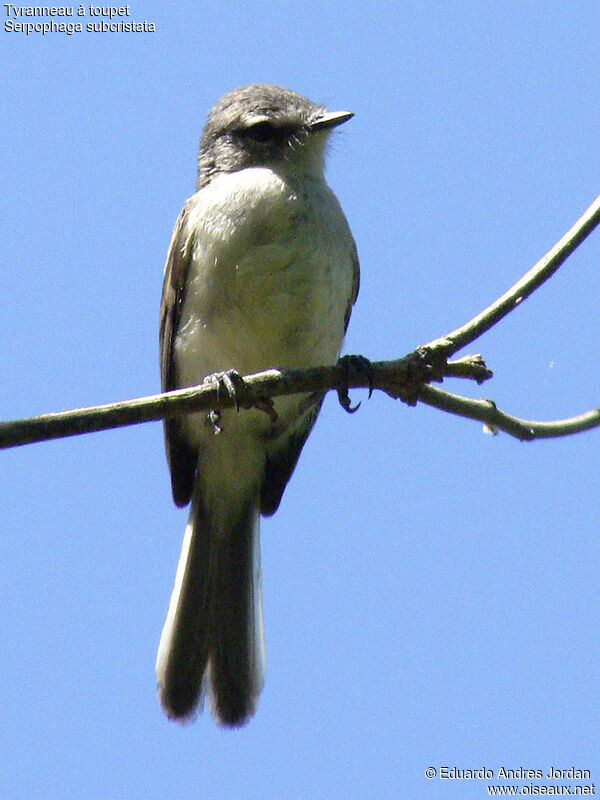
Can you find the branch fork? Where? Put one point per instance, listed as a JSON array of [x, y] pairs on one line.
[[408, 379]]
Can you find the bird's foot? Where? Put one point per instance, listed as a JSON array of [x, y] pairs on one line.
[[357, 365], [232, 387]]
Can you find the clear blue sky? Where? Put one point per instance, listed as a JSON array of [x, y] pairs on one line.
[[431, 593]]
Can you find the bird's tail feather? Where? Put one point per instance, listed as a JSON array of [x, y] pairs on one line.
[[236, 660], [213, 635]]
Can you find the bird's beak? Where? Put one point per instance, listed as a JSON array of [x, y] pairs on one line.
[[331, 119]]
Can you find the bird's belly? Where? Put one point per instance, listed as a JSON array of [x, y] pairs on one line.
[[269, 318], [268, 309]]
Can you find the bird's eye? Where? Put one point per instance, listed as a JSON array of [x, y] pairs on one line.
[[261, 132]]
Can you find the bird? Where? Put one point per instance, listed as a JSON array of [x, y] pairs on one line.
[[262, 271]]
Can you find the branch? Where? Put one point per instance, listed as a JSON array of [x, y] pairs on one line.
[[403, 378], [399, 378], [407, 378], [495, 420], [537, 275]]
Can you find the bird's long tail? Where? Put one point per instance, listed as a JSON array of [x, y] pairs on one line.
[[213, 636]]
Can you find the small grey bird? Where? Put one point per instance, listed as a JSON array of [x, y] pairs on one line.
[[262, 271]]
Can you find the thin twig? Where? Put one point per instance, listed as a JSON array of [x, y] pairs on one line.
[[538, 274], [494, 419]]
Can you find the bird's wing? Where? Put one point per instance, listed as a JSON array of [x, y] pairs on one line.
[[181, 457]]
